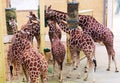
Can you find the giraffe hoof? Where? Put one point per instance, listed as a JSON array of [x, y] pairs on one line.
[[78, 77], [74, 68], [85, 79], [60, 81], [23, 80], [116, 71], [68, 77], [108, 69], [85, 67]]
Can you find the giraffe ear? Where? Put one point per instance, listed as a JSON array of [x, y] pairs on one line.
[[49, 7]]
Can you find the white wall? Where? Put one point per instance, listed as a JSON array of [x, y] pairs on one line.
[[110, 14], [24, 4]]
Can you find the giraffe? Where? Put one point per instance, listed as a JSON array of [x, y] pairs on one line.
[[78, 41], [58, 49], [34, 30], [13, 24], [53, 28], [33, 63], [91, 26], [33, 27]]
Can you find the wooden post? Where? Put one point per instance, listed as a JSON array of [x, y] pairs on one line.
[[2, 56], [42, 25], [72, 22]]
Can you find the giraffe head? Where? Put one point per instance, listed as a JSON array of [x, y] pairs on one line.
[[33, 18], [54, 13], [48, 12]]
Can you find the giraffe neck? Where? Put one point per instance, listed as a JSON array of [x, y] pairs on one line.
[[64, 27], [52, 26], [59, 15], [84, 20], [21, 41]]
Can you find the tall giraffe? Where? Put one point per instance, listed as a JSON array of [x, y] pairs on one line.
[[58, 49], [91, 26], [33, 27], [77, 42], [33, 63], [34, 30]]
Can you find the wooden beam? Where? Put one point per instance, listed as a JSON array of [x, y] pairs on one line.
[[2, 55], [42, 25]]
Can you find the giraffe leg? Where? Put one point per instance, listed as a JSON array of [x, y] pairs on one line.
[[109, 56], [78, 62], [78, 59], [75, 63], [109, 62], [34, 78], [86, 71], [91, 67], [70, 71], [26, 74], [60, 75], [72, 64], [44, 78], [53, 67], [116, 70]]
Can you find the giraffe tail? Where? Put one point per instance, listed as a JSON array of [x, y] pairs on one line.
[[11, 70], [112, 58], [95, 64]]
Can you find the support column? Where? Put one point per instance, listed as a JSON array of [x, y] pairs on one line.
[[42, 25], [2, 28], [72, 21]]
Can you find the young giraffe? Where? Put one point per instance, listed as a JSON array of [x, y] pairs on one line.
[[33, 28], [77, 42], [53, 28], [58, 49], [91, 26], [33, 63]]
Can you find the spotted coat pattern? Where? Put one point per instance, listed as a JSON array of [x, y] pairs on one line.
[[53, 28], [78, 41], [58, 49], [33, 63], [33, 27], [91, 26]]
